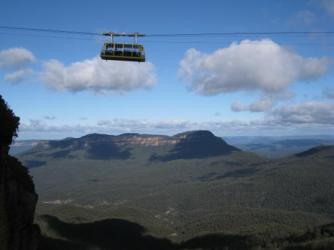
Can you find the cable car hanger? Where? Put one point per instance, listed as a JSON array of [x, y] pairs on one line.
[[279, 32], [123, 51], [135, 52]]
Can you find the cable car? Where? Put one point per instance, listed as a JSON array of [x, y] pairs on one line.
[[123, 52], [133, 52]]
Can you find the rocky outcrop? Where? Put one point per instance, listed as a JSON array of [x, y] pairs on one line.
[[196, 144], [131, 139], [120, 140], [197, 136], [17, 193], [145, 140]]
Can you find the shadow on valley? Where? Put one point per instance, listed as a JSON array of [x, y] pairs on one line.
[[107, 151], [104, 234], [122, 234]]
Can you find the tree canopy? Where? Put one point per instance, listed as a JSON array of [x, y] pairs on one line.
[[9, 123]]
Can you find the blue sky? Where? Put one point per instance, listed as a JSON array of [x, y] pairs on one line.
[[233, 85]]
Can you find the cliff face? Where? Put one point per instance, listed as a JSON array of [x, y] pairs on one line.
[[129, 139], [132, 139], [196, 144], [17, 193]]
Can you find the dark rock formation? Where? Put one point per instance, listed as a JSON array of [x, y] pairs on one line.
[[188, 145], [196, 144], [191, 144], [17, 193]]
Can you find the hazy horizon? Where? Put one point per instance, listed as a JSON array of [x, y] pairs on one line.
[[302, 136]]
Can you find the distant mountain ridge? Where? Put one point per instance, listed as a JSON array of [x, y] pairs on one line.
[[20, 146], [187, 145], [139, 139], [279, 146], [129, 139], [270, 147]]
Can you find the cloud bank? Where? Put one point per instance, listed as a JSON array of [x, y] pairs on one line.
[[313, 112], [15, 62], [296, 119], [16, 58], [259, 65], [18, 75], [261, 105], [98, 76]]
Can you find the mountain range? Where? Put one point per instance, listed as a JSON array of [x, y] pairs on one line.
[[188, 145], [266, 146], [182, 186]]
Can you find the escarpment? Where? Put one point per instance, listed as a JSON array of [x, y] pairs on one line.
[[17, 192]]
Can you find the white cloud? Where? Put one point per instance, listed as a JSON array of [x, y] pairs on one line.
[[98, 76], [261, 105], [15, 63], [18, 75], [144, 124], [289, 120], [16, 58], [42, 129], [260, 65], [313, 112], [264, 104], [49, 117], [238, 106]]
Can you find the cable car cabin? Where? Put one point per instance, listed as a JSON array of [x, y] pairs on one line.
[[123, 52]]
